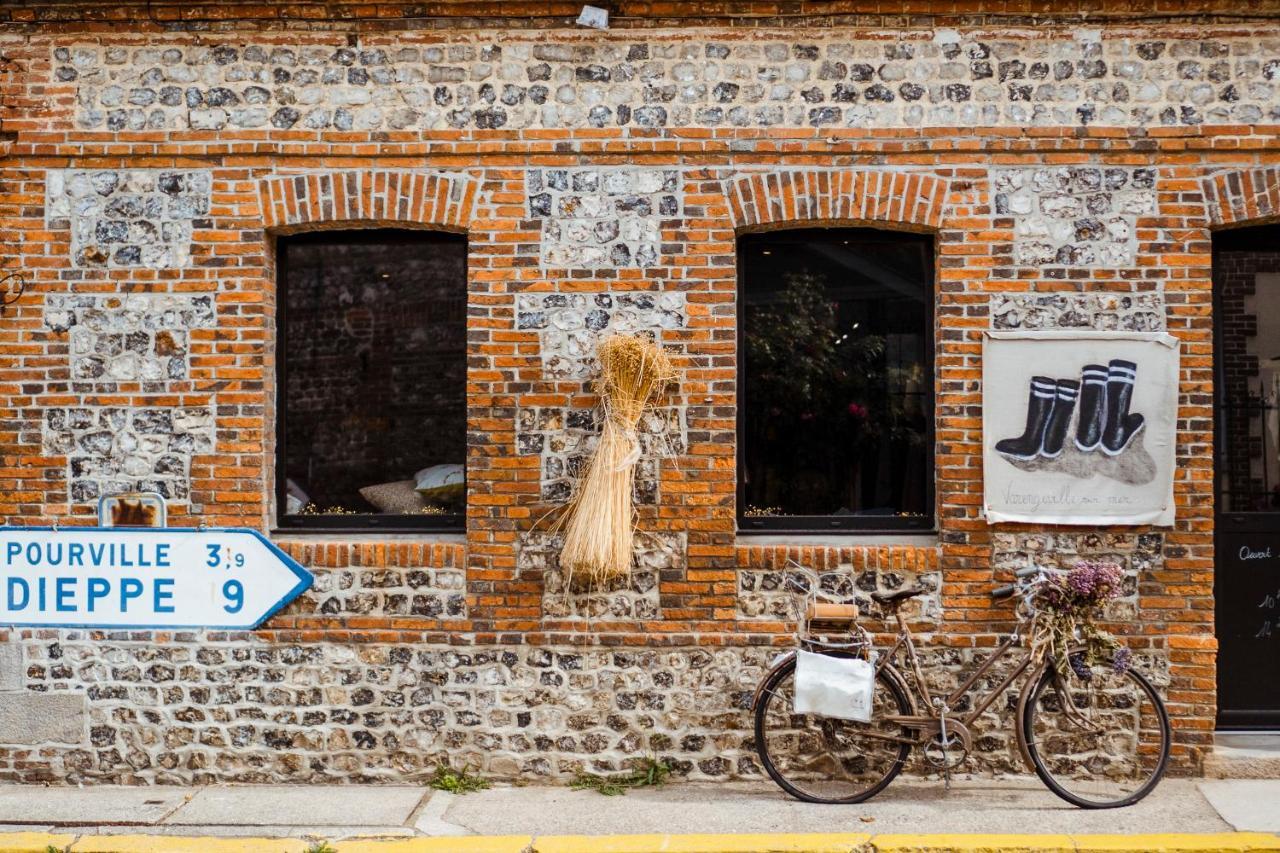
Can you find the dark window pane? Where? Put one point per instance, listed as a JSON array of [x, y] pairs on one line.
[[1246, 273], [837, 378], [374, 376]]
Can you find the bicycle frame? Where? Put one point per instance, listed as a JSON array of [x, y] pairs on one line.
[[936, 715], [930, 721], [925, 725], [941, 732]]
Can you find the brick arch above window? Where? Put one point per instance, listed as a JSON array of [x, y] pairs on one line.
[[906, 199], [1242, 196], [368, 197]]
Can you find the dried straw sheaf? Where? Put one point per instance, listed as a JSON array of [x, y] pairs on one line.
[[600, 526]]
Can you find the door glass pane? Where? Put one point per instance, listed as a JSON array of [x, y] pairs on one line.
[[1247, 278]]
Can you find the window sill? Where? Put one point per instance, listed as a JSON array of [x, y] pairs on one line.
[[366, 535], [796, 539]]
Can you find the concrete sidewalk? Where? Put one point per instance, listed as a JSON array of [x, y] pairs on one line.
[[1013, 805]]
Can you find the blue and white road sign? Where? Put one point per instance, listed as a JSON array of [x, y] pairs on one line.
[[120, 577]]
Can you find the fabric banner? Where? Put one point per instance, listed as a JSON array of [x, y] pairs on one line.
[[1079, 427]]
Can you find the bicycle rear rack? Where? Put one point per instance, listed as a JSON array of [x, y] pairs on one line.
[[825, 620]]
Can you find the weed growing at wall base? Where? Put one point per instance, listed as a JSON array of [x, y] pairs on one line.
[[650, 772], [457, 781]]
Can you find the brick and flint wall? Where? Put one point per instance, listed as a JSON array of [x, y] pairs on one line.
[[1071, 174]]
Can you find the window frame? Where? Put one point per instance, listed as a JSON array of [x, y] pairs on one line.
[[1236, 238], [360, 522], [851, 524]]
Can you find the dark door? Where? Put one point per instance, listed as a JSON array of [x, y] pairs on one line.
[[1246, 272]]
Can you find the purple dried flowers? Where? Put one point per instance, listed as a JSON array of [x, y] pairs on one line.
[[1095, 581], [1088, 585], [1067, 604]]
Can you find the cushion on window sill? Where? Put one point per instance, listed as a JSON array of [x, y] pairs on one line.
[[295, 498], [395, 497], [441, 483]]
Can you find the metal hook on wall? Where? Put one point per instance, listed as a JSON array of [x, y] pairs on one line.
[[11, 293]]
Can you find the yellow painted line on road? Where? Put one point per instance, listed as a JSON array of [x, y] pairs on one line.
[[1175, 842], [1229, 842], [966, 843], [1225, 842], [21, 842], [458, 844], [183, 844], [752, 843]]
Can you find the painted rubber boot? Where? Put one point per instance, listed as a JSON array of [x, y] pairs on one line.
[[1044, 392], [1093, 407], [1121, 426], [1064, 405]]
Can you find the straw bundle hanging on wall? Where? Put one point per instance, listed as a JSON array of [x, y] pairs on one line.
[[600, 527]]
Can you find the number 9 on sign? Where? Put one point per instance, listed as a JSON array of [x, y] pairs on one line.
[[233, 592]]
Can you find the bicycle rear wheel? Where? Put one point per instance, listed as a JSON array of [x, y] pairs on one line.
[[1103, 744], [824, 759]]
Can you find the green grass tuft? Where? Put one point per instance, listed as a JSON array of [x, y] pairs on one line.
[[321, 847], [457, 781], [649, 772]]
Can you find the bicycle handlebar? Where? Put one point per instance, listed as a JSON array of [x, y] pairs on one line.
[[1021, 575]]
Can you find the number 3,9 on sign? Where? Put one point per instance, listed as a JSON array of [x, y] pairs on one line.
[[143, 578]]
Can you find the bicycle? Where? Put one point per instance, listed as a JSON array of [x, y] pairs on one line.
[[1098, 738]]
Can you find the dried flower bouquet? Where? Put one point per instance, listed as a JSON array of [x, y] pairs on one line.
[[1066, 606]]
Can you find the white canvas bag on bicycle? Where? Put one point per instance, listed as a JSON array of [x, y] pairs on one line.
[[834, 687]]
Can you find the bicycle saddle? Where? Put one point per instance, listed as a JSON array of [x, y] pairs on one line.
[[898, 595]]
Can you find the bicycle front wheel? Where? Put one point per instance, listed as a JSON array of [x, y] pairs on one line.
[[824, 759], [1098, 737]]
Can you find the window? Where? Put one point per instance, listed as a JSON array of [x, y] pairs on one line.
[[836, 380], [372, 391], [1246, 273]]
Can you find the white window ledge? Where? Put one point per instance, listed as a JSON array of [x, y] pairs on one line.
[[837, 540], [343, 538]]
